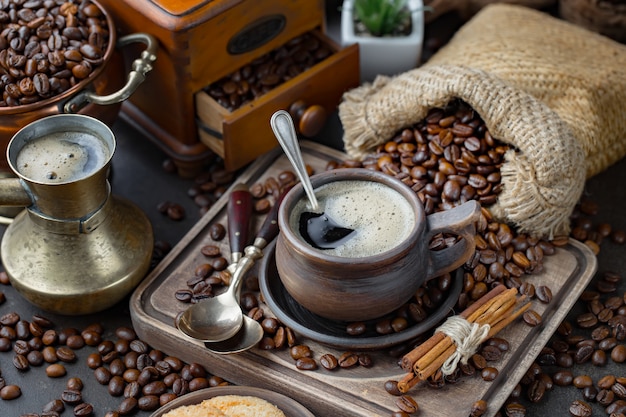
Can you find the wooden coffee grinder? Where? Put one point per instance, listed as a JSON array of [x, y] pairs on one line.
[[205, 42]]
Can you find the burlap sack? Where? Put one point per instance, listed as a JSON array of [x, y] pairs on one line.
[[467, 8], [554, 91]]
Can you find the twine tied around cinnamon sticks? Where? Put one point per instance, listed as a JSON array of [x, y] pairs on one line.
[[460, 336], [466, 336]]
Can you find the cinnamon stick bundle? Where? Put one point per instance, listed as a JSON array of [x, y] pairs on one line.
[[497, 309]]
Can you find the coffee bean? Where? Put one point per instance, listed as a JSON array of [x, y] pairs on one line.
[[489, 373], [478, 408], [583, 354], [10, 392], [210, 251], [491, 353], [607, 344], [148, 403], [116, 386], [617, 406], [54, 406], [74, 383], [56, 370], [329, 361], [532, 318], [582, 381], [515, 409], [9, 319], [479, 361], [348, 360], [75, 342], [586, 320], [356, 328], [133, 389], [599, 358], [70, 396], [365, 360], [618, 354], [605, 397], [536, 390], [498, 342], [306, 364], [580, 408], [217, 231], [65, 354], [127, 406], [407, 404], [83, 409], [392, 388], [158, 387], [619, 390], [102, 375], [21, 363], [300, 351], [543, 294]]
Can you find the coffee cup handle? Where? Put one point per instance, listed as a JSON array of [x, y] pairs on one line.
[[460, 221]]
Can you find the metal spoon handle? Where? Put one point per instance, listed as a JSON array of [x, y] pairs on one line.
[[252, 253], [285, 133], [269, 228]]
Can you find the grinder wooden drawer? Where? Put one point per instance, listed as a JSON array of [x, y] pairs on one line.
[[241, 135]]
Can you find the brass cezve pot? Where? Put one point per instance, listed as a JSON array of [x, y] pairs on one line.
[[76, 248], [100, 95]]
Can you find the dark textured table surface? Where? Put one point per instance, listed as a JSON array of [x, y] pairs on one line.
[[138, 175]]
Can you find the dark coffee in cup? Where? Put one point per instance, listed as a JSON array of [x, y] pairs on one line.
[[379, 215]]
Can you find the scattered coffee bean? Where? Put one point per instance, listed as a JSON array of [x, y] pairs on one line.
[[580, 408], [56, 370], [10, 392], [407, 404], [217, 231], [329, 361]]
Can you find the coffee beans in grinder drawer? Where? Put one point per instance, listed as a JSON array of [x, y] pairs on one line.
[[46, 48], [268, 71]]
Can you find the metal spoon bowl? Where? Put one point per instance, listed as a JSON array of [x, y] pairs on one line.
[[200, 320], [218, 318], [248, 336]]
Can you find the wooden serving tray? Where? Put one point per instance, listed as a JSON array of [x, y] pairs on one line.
[[357, 392]]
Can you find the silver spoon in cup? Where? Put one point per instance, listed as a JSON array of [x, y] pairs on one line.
[[316, 227]]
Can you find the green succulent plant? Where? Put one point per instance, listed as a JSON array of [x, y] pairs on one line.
[[381, 17]]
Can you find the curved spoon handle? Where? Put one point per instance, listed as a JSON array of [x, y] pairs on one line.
[[269, 228], [285, 133]]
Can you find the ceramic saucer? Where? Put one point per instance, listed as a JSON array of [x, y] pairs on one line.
[[333, 333]]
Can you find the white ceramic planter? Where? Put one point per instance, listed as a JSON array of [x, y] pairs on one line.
[[385, 55]]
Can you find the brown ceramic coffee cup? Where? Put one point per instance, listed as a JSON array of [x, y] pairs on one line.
[[384, 262]]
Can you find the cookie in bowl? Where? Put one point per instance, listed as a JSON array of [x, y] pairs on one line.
[[228, 406]]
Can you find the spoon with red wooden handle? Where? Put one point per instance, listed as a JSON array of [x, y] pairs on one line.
[[251, 331]]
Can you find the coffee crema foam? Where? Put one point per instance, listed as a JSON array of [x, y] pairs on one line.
[[380, 215], [62, 157]]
